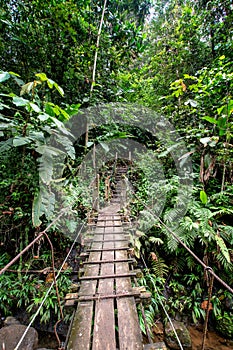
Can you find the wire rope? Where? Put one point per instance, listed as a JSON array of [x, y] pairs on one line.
[[210, 270], [48, 291], [163, 307]]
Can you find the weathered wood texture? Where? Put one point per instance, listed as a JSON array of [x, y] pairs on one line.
[[106, 323]]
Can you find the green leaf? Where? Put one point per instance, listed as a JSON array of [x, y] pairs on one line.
[[26, 88], [37, 136], [50, 83], [14, 74], [222, 121], [222, 109], [35, 107], [20, 141], [68, 144], [205, 140], [65, 114], [156, 240], [19, 101], [104, 146], [211, 120], [45, 165], [36, 210], [43, 117], [6, 145], [223, 248], [203, 197], [59, 89], [191, 103], [4, 76], [5, 125], [90, 143], [42, 76]]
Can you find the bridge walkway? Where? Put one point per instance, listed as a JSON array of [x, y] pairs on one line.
[[106, 317]]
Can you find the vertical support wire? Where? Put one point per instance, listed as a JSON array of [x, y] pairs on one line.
[[207, 311]]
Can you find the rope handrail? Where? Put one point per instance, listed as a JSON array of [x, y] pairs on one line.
[[210, 270], [40, 235], [48, 291]]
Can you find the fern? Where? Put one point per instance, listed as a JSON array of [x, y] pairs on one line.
[[156, 240], [227, 233], [159, 268], [223, 249]]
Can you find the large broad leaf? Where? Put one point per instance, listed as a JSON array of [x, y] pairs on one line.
[[68, 145], [43, 204], [35, 107], [222, 124], [46, 167], [20, 141], [43, 117], [61, 126], [50, 83], [46, 161], [19, 101], [37, 136], [26, 89], [37, 210], [4, 76], [6, 145], [104, 146], [5, 125]]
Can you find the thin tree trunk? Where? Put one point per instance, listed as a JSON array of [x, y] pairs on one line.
[[97, 46]]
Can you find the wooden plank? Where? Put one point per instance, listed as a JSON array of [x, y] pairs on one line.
[[130, 337], [104, 326], [131, 261], [107, 249], [80, 336]]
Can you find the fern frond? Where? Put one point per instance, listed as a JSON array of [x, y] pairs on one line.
[[159, 268], [227, 233], [223, 249]]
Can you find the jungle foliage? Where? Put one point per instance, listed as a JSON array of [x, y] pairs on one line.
[[173, 57]]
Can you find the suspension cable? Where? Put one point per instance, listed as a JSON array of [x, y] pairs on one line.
[[207, 311], [210, 270], [48, 291], [163, 307], [40, 235], [160, 301]]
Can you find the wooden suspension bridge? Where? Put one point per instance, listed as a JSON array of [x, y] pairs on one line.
[[106, 316]]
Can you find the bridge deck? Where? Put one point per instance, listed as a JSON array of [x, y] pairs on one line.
[[106, 316]]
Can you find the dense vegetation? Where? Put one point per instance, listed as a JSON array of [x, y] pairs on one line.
[[172, 57]]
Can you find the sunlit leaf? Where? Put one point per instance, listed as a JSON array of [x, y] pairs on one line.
[[42, 76], [4, 76], [19, 101], [203, 197]]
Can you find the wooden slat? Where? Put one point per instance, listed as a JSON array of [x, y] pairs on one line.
[[104, 326], [130, 337], [80, 336], [108, 260]]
